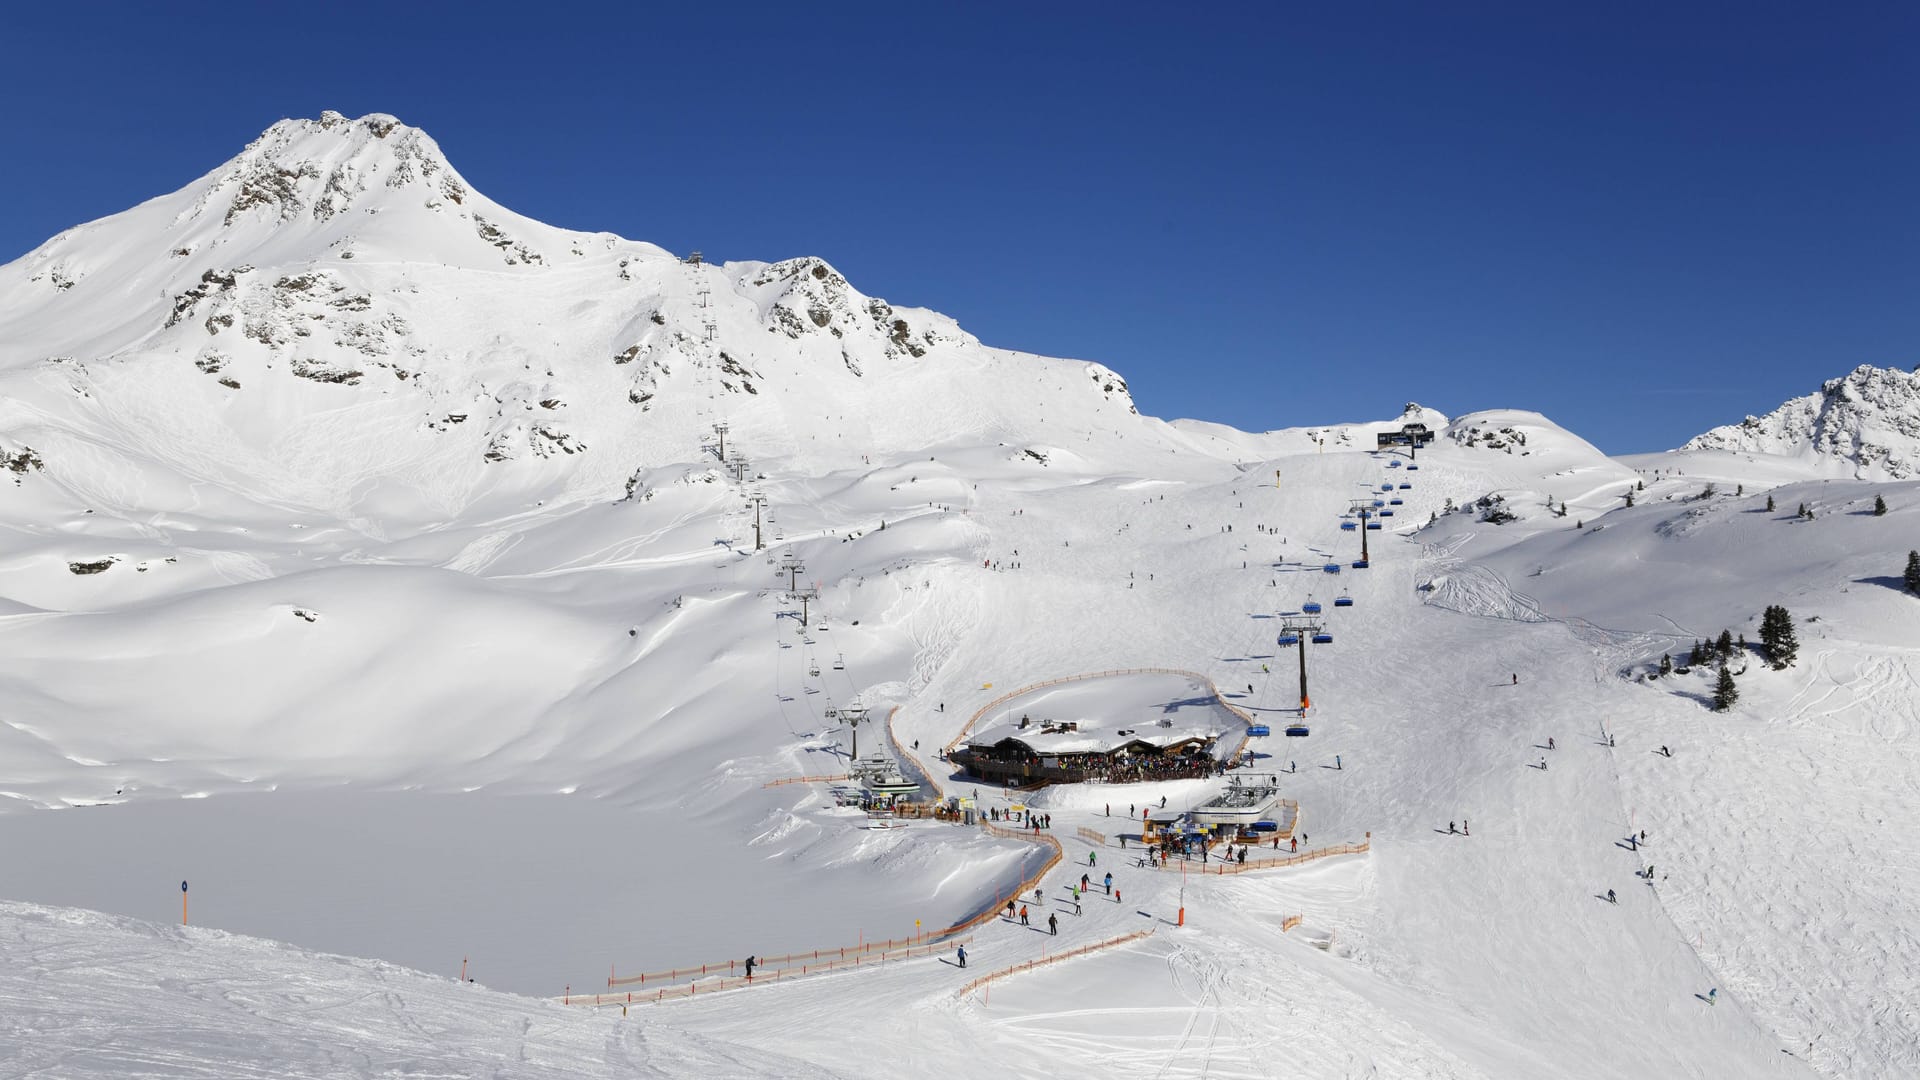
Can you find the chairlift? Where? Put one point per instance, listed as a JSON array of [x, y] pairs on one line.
[[1287, 639], [1361, 564], [1298, 730], [1406, 487], [813, 670], [1323, 638], [1375, 525], [1331, 568], [1386, 487], [1311, 607], [1258, 730], [1386, 513], [839, 664], [1378, 503], [1396, 502], [1349, 526], [1413, 468], [1343, 601], [1393, 463]]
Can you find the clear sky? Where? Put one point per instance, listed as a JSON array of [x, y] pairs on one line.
[[1640, 219]]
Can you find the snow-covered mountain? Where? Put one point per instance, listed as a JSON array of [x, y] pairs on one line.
[[338, 284], [365, 558], [1864, 424]]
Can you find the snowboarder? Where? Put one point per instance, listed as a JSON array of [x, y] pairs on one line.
[[961, 951], [1664, 752], [1713, 995]]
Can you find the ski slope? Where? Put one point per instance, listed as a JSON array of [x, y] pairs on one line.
[[522, 688]]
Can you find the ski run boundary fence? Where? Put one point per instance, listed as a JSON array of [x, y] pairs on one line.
[[772, 968], [1229, 866], [805, 780], [1046, 960], [715, 985]]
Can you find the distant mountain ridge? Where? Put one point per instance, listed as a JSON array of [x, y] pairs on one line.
[[1868, 419]]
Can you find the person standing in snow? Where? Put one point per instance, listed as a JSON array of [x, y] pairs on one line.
[[1091, 860], [1023, 913], [1450, 829], [1516, 680], [1109, 883], [1009, 909], [750, 962], [1053, 925], [962, 953], [1549, 742]]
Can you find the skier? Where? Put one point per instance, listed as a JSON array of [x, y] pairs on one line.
[[962, 952], [1336, 763], [1083, 883], [1053, 925], [1664, 752], [1294, 844], [750, 962], [1090, 858], [1549, 742], [1516, 680], [1116, 896], [1109, 883], [1543, 764], [1712, 995], [1450, 828], [1610, 898], [1243, 856], [1009, 909], [1464, 831], [1023, 911]]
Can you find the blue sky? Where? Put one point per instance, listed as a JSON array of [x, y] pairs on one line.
[[1639, 219]]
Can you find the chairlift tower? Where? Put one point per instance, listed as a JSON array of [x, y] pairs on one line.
[[852, 716], [791, 566], [1363, 507], [1297, 631], [757, 500], [804, 596], [738, 465], [721, 430]]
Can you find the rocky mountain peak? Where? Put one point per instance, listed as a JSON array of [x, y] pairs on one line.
[[1867, 420]]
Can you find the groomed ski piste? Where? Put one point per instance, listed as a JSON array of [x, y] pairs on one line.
[[513, 727]]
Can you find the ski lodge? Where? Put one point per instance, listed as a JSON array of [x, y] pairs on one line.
[[1030, 752]]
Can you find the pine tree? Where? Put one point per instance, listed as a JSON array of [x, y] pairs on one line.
[[1629, 498], [1740, 489], [1707, 492], [1913, 571], [1742, 644], [1666, 663], [1724, 692], [1698, 655], [1879, 506], [1578, 524], [1640, 485], [1724, 646], [1769, 504], [1777, 638]]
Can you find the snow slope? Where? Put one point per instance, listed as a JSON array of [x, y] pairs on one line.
[[512, 686]]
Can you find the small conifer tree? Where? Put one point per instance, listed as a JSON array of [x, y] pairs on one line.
[[1724, 692], [1724, 646], [1629, 498], [1913, 571], [1769, 504], [1777, 638], [1879, 506]]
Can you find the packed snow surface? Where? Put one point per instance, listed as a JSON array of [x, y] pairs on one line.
[[369, 559]]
